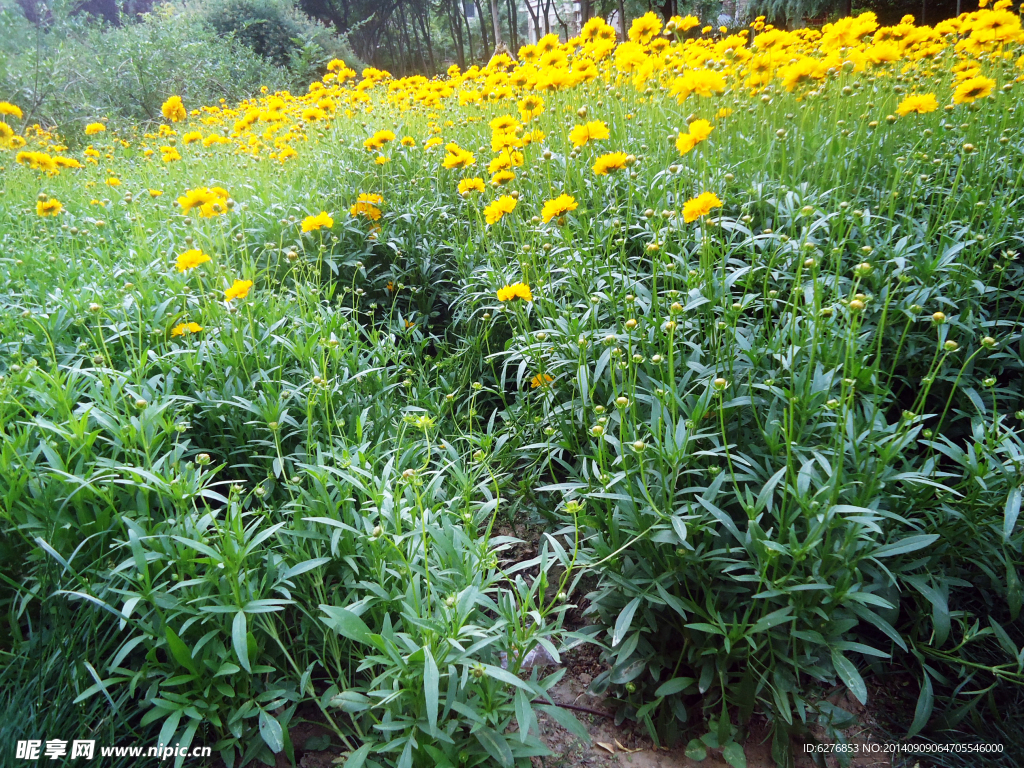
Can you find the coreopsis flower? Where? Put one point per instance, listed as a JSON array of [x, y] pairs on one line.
[[320, 221], [457, 157], [408, 141], [211, 201], [6, 108], [699, 131], [504, 124], [174, 110], [645, 28], [541, 380], [378, 140], [559, 206], [467, 186], [381, 160], [501, 178], [920, 103], [366, 205], [190, 259], [48, 207], [592, 131], [169, 154], [530, 106], [155, 192], [113, 181], [700, 206], [515, 291], [494, 212], [182, 329], [191, 137], [93, 128], [613, 161], [973, 89], [238, 290]]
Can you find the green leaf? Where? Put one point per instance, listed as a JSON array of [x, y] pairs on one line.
[[567, 720], [923, 711], [851, 678], [675, 685], [431, 685], [317, 743], [696, 750], [239, 640], [357, 758], [495, 745], [623, 622], [734, 755], [1011, 512], [907, 544], [271, 731], [524, 714], [346, 623], [180, 651]]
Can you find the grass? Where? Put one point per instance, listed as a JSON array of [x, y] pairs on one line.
[[778, 430]]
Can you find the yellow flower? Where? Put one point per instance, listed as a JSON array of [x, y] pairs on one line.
[[922, 104], [501, 178], [466, 186], [515, 291], [592, 131], [645, 28], [93, 128], [700, 206], [560, 206], [48, 207], [183, 328], [321, 220], [366, 205], [408, 141], [155, 192], [238, 290], [113, 181], [541, 380], [457, 157], [190, 260], [378, 140], [700, 130], [170, 154], [191, 137], [6, 108], [973, 89], [685, 142], [173, 109], [381, 160], [613, 161], [211, 201], [494, 212], [531, 106]]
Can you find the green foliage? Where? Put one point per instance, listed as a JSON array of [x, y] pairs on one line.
[[278, 31], [784, 448]]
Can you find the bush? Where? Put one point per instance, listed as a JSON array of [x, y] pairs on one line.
[[276, 30]]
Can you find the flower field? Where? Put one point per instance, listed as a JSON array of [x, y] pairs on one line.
[[732, 317]]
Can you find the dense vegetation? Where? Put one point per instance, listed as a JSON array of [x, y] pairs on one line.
[[734, 317]]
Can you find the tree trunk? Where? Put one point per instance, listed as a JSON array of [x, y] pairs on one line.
[[586, 11], [483, 30], [622, 19], [454, 19], [469, 31], [424, 19], [513, 26], [496, 22]]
